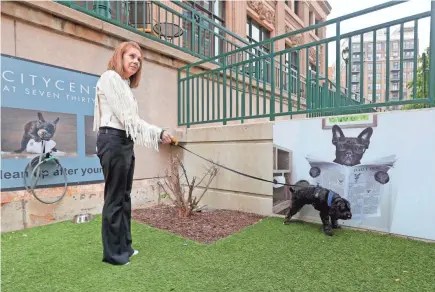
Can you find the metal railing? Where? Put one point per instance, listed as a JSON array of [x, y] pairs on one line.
[[244, 86], [179, 26], [172, 23]]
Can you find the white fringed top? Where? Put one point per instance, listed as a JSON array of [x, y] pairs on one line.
[[116, 107]]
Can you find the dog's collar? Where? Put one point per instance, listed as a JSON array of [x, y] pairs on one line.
[[330, 197]]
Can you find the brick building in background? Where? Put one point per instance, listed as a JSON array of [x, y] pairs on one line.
[[375, 78], [258, 20]]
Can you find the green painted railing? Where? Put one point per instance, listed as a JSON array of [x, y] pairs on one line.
[[172, 23], [180, 26], [243, 85]]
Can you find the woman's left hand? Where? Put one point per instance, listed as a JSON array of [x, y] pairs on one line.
[[166, 138]]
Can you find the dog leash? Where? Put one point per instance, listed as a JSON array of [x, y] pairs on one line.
[[175, 143]]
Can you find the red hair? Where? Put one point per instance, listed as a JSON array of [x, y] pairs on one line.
[[115, 62]]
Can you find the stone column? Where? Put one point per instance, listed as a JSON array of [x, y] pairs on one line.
[[323, 56], [305, 14], [236, 18], [279, 24], [235, 21]]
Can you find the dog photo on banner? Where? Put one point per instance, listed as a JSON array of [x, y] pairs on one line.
[[377, 162]]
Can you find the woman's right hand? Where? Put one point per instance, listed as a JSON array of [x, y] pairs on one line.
[[166, 138]]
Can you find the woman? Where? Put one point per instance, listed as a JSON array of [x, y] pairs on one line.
[[119, 128]]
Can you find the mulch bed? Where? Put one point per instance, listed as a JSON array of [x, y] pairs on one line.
[[205, 227]]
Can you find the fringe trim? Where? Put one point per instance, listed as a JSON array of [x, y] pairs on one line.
[[140, 131], [97, 117]]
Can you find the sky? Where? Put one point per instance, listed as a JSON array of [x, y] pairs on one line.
[[343, 7]]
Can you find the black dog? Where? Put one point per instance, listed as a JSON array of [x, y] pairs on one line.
[[38, 130], [329, 203]]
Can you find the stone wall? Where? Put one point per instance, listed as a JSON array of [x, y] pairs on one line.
[[53, 34]]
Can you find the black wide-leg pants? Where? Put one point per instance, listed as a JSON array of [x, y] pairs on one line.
[[116, 153]]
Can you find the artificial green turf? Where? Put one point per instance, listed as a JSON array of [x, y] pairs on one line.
[[267, 256]]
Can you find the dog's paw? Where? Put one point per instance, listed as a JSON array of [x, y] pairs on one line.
[[336, 226], [286, 222], [327, 231]]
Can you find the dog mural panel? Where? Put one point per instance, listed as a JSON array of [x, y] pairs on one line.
[[350, 150], [38, 130], [331, 206]]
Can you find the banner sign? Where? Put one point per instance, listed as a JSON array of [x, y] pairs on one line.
[[40, 100]]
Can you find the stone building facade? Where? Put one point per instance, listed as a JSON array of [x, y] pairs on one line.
[[258, 20]]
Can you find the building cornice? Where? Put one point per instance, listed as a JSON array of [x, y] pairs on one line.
[[264, 11]]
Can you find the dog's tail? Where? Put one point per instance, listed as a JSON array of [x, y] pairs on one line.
[[302, 182]]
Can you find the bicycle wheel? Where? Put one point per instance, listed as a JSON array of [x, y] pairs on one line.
[[41, 168]]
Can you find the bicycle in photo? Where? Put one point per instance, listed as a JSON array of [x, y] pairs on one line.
[[37, 168]]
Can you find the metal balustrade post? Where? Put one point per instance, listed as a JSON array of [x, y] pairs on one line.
[[188, 97], [272, 82], [103, 8], [224, 90], [337, 68]]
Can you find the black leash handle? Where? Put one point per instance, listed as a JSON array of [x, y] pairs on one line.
[[175, 143]]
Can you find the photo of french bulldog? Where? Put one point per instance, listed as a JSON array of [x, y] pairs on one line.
[[23, 132], [350, 150]]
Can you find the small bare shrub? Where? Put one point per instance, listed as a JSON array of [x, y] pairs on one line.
[[173, 184]]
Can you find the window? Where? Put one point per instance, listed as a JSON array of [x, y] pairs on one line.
[[410, 76], [395, 76], [256, 33], [311, 18], [395, 86], [297, 7], [354, 87], [313, 70], [378, 96], [396, 65], [318, 30], [355, 77], [378, 67], [409, 54], [369, 76], [378, 47], [370, 46], [205, 42], [355, 47], [293, 59], [409, 65], [409, 44], [356, 55], [378, 56], [378, 86], [355, 67], [395, 46], [378, 76]]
